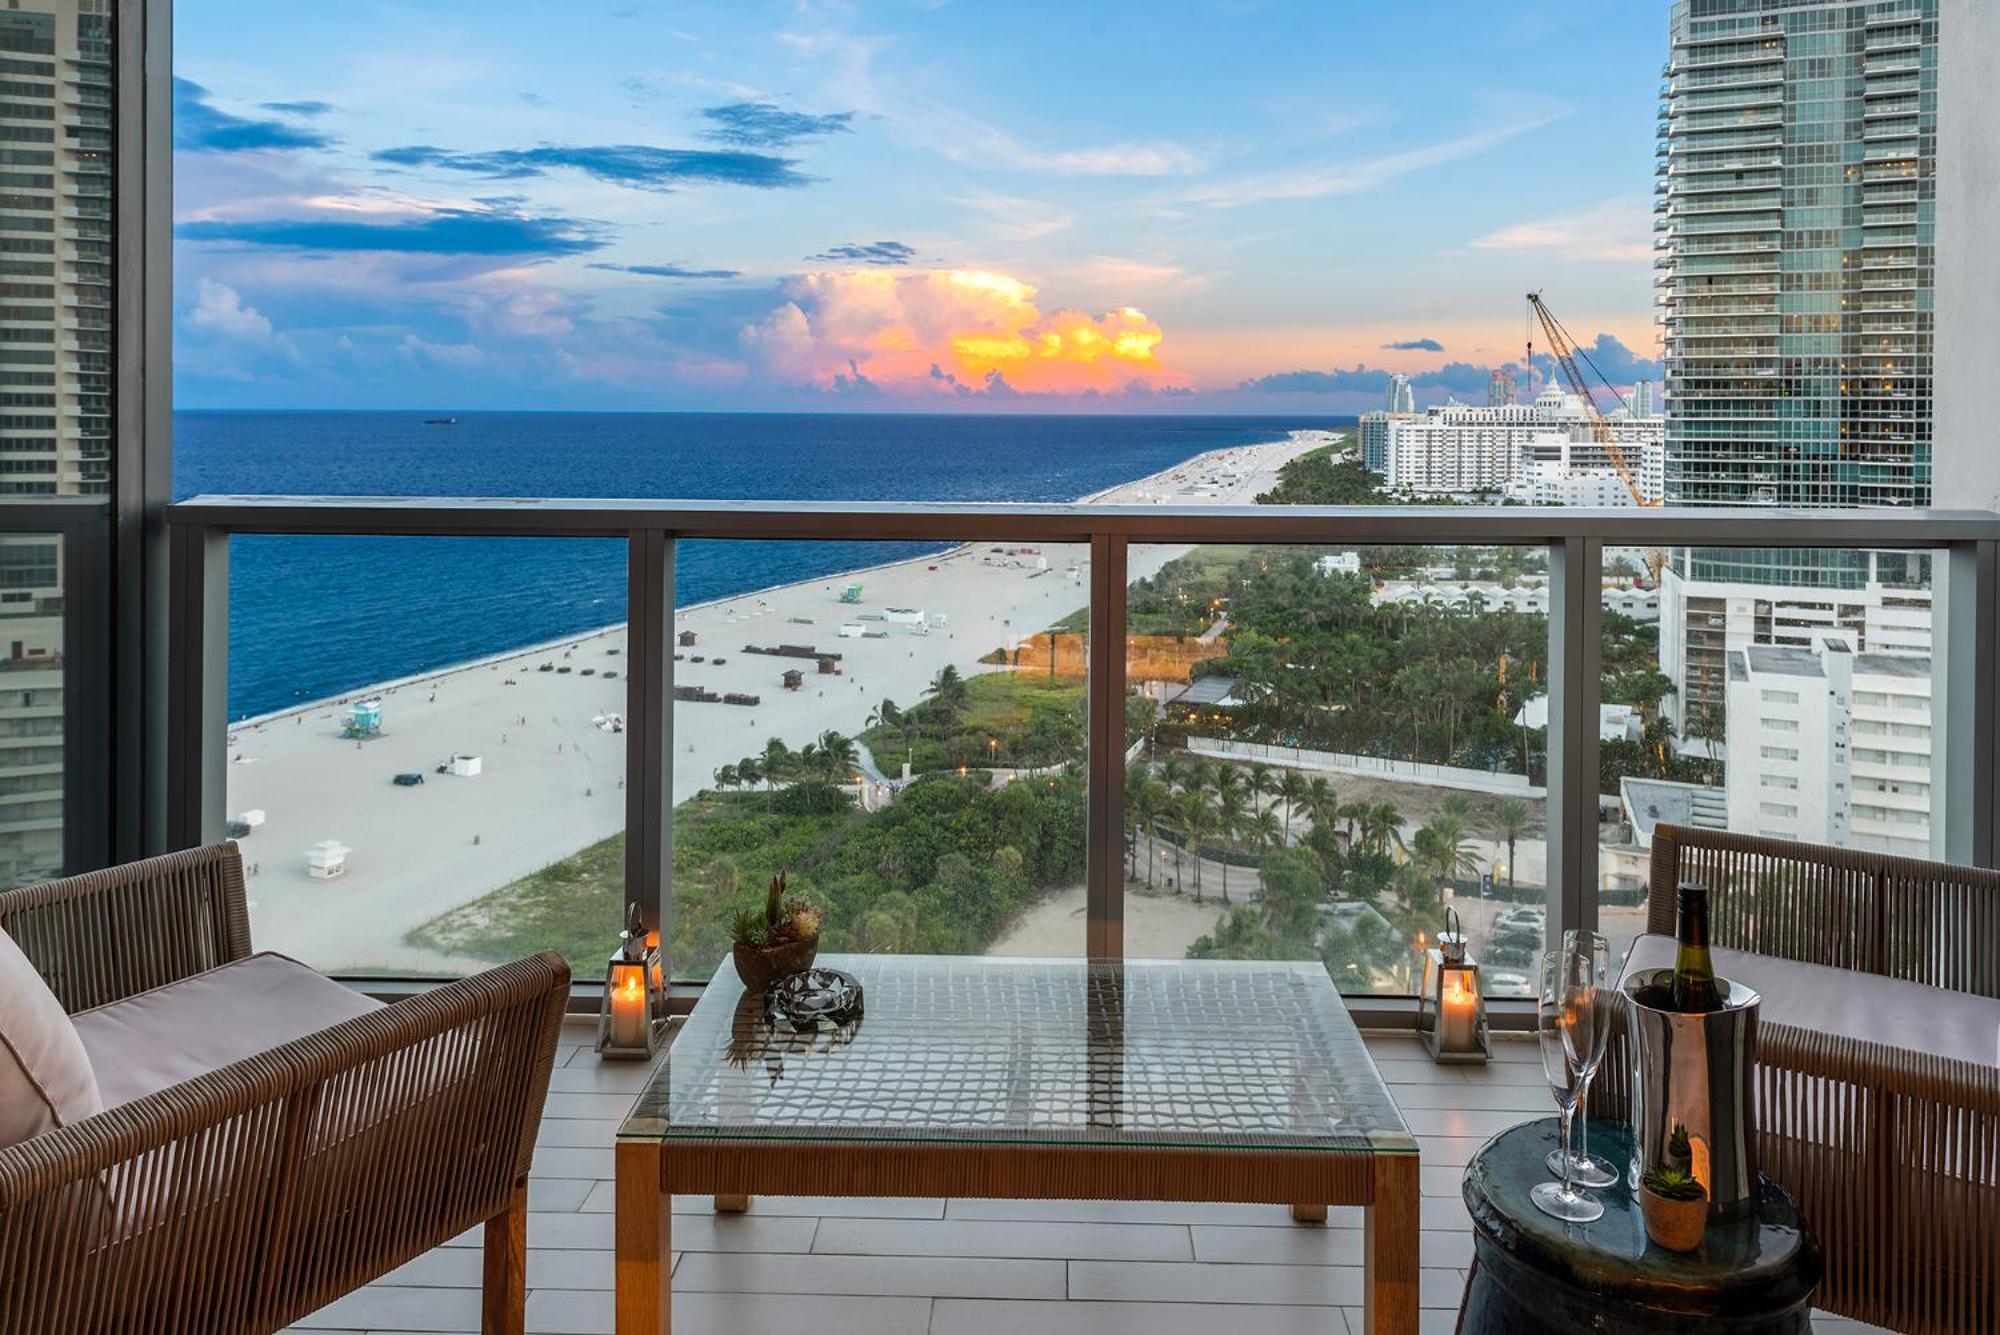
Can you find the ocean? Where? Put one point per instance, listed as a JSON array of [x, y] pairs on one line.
[[311, 617]]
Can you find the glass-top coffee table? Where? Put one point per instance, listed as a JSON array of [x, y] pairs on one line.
[[1050, 1079]]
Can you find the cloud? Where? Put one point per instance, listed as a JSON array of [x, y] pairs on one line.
[[442, 232], [636, 166], [1353, 178], [298, 108], [886, 253], [235, 333], [768, 125], [1618, 230], [202, 127], [1016, 219], [1612, 358], [956, 332], [936, 122], [1415, 345], [446, 356], [668, 271]]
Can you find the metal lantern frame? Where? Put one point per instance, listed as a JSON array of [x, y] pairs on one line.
[[636, 959], [1448, 961]]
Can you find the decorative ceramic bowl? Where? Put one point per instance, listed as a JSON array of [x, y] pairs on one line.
[[758, 965], [1675, 1225]]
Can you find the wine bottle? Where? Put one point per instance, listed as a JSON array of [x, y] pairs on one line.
[[1694, 987]]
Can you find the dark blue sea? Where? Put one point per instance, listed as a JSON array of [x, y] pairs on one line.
[[316, 616]]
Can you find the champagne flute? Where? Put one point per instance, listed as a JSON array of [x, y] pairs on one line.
[[1565, 1021], [1587, 1169]]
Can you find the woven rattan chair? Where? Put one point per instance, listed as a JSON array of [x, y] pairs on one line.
[[1893, 1153], [246, 1198]]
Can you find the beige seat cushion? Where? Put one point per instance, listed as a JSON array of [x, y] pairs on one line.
[[45, 1075], [156, 1039], [1865, 1006]]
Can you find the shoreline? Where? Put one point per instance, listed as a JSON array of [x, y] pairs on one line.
[[554, 756]]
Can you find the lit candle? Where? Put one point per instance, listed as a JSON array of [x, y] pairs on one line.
[[1458, 1014], [628, 1007]]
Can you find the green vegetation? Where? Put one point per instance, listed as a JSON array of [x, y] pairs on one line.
[[1330, 475], [1009, 720], [943, 870]]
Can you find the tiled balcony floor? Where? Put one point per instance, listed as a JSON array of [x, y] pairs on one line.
[[965, 1267]]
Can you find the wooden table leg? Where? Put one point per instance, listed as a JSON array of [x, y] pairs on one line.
[[503, 1305], [726, 1204], [644, 1230], [1309, 1214], [1390, 1246]]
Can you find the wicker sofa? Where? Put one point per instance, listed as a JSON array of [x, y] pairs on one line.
[[1873, 968], [249, 1195]]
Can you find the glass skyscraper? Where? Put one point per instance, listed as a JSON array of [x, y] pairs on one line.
[[1795, 201]]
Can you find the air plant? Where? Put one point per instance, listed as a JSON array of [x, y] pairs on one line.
[[782, 922]]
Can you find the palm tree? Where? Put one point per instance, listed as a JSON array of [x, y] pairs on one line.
[[948, 693], [777, 761], [1148, 805], [726, 777], [1510, 821], [1197, 823], [1262, 784], [1381, 827], [750, 773], [1705, 723], [1232, 804], [837, 756], [1292, 790], [1265, 832]]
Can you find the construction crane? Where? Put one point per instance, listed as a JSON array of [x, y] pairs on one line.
[[1565, 353]]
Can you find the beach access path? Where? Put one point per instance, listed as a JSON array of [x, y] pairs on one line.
[[553, 760]]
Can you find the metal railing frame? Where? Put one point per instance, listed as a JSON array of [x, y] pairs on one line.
[[1966, 634]]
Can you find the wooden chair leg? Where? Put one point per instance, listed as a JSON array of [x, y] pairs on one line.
[[1309, 1214], [730, 1204], [503, 1308]]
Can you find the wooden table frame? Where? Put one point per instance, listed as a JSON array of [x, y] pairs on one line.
[[650, 1172]]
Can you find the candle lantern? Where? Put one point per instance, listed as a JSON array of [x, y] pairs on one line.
[[634, 1010], [1451, 1010]]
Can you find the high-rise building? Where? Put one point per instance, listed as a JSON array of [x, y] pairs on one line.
[[56, 261], [55, 247], [1798, 141], [1375, 437], [1402, 398], [1545, 452], [1642, 404], [1500, 389]]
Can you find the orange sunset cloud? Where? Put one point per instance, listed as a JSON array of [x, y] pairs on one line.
[[951, 332]]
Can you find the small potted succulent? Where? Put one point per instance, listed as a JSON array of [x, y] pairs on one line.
[[782, 939], [1673, 1200]]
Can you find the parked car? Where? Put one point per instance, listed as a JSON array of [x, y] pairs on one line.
[[409, 779], [1506, 983]]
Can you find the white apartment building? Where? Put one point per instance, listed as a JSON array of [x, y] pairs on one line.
[[1879, 602], [1520, 450], [1830, 746]]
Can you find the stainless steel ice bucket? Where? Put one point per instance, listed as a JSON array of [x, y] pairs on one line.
[[1693, 1071]]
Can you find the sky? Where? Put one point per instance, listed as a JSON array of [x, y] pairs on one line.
[[1235, 206]]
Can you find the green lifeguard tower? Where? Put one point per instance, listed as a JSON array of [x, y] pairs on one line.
[[852, 593], [364, 720]]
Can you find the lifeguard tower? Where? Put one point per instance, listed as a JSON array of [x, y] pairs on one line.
[[851, 594], [364, 720], [327, 860]]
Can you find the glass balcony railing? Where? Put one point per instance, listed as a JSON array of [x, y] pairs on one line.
[[1145, 731]]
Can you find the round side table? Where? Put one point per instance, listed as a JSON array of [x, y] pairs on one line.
[[1530, 1272]]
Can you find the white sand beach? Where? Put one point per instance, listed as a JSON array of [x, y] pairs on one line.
[[552, 763]]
